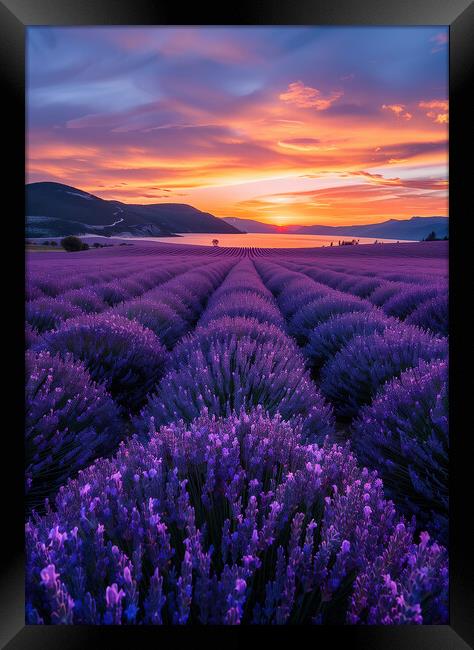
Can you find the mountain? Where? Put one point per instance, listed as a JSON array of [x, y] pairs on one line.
[[416, 228], [54, 210], [249, 225]]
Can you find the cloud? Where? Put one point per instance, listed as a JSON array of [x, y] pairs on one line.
[[305, 144], [344, 203], [418, 183], [437, 110], [440, 40], [307, 97], [403, 151], [399, 110]]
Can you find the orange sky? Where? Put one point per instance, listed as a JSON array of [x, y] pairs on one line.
[[217, 123]]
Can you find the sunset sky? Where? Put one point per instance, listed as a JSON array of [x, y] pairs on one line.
[[306, 125]]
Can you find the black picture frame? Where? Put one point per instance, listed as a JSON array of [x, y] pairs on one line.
[[15, 16]]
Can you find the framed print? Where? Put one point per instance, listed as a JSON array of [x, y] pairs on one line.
[[236, 360]]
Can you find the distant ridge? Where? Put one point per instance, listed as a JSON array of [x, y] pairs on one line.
[[416, 228], [249, 225], [54, 209]]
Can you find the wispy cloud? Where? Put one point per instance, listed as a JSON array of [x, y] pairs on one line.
[[440, 41], [307, 97], [399, 110], [437, 110], [417, 183]]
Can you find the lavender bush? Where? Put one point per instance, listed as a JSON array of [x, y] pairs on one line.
[[45, 314], [386, 291], [364, 287], [128, 358], [404, 435], [432, 314], [242, 282], [86, 299], [226, 522], [300, 292], [32, 292], [112, 292], [359, 370], [32, 336], [228, 373], [158, 317], [53, 286], [180, 289], [276, 277], [225, 328], [318, 311], [69, 422], [330, 337], [421, 570], [247, 304], [406, 301], [173, 300]]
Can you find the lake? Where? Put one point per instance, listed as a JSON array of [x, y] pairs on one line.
[[261, 240]]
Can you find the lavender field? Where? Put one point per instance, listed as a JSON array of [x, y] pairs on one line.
[[237, 436]]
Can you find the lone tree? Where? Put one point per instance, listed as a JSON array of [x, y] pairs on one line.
[[431, 236], [73, 244], [215, 242]]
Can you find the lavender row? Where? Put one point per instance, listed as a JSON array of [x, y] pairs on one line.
[[121, 352], [48, 312], [172, 309], [401, 299], [354, 347], [66, 275], [74, 372], [53, 279], [239, 356], [354, 354]]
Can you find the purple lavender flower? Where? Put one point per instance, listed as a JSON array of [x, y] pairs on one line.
[[224, 328], [156, 316], [229, 521], [69, 422], [249, 304], [226, 373], [112, 292], [417, 595], [48, 313], [405, 302], [128, 358], [32, 336], [316, 312], [85, 298], [172, 299], [432, 314], [404, 435], [386, 291], [363, 287], [298, 293], [328, 338], [352, 378], [33, 292]]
